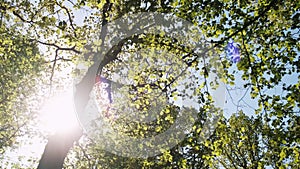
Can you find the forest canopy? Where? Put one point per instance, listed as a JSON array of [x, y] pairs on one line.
[[142, 74]]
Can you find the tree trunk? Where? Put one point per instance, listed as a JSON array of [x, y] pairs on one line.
[[60, 143], [57, 149]]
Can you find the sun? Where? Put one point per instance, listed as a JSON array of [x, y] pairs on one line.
[[58, 114]]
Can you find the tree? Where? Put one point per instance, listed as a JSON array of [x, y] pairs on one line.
[[242, 149], [267, 33], [20, 64]]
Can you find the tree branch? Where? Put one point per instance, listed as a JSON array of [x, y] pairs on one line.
[[69, 16], [61, 58], [251, 21], [59, 48]]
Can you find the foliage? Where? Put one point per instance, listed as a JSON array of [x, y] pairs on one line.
[[20, 63], [268, 34]]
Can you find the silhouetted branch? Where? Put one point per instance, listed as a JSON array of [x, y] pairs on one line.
[[60, 48], [61, 58], [69, 16]]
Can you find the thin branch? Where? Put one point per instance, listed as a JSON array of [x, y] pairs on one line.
[[8, 7], [71, 2], [61, 58], [248, 105], [59, 48], [244, 95], [21, 18], [230, 158], [85, 154], [251, 21], [1, 20], [231, 98], [69, 16], [53, 67], [223, 163], [56, 58]]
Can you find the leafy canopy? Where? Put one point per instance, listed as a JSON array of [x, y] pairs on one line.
[[267, 33]]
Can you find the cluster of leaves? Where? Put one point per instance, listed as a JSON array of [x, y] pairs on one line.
[[20, 63]]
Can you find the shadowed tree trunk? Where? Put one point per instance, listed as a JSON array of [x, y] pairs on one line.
[[59, 144], [57, 149]]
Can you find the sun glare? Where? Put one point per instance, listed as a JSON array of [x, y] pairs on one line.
[[58, 113]]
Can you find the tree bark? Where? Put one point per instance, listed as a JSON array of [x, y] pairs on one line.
[[57, 149], [60, 143]]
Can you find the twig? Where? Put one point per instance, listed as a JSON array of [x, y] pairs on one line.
[[53, 67], [251, 21], [21, 18], [61, 58], [59, 48], [69, 16]]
